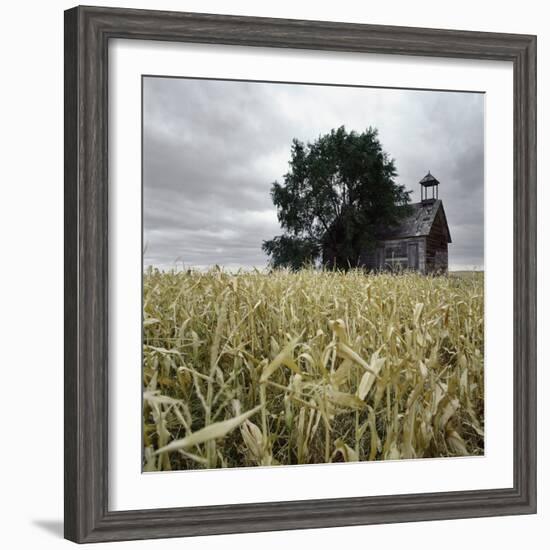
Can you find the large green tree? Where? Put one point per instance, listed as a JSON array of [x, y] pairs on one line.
[[338, 191]]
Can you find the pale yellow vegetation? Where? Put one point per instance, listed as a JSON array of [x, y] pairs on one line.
[[259, 368]]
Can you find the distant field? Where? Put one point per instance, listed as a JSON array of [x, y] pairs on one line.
[[465, 273], [310, 367]]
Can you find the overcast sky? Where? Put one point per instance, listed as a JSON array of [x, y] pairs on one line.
[[213, 148]]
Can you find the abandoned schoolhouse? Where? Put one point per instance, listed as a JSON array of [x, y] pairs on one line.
[[419, 242]]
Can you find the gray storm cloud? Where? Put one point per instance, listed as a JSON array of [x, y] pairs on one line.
[[212, 149]]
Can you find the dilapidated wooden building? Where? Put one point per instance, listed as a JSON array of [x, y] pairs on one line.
[[419, 242]]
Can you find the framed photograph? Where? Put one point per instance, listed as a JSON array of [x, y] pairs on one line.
[[300, 274]]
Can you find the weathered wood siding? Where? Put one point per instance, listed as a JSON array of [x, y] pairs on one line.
[[396, 254], [437, 255]]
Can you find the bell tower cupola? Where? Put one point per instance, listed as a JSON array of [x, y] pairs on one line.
[[425, 183]]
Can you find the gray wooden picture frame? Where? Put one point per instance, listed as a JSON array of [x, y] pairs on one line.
[[87, 34]]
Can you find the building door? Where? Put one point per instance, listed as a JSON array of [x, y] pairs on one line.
[[413, 256]]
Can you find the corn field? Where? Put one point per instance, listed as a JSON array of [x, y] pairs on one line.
[[261, 369]]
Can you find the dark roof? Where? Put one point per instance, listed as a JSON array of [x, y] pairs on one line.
[[418, 223], [428, 180]]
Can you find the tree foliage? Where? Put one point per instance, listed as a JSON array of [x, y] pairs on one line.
[[337, 192]]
